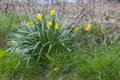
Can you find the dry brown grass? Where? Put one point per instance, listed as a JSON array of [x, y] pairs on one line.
[[106, 13]]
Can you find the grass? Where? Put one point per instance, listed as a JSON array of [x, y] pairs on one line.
[[102, 64], [7, 25], [7, 64], [92, 64], [12, 67]]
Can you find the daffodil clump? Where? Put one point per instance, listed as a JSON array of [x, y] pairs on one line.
[[42, 35], [93, 35]]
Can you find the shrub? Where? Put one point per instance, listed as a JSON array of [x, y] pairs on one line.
[[42, 35]]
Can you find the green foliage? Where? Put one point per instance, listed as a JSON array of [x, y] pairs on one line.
[[8, 22], [13, 67], [97, 36], [31, 72], [89, 64], [62, 63], [7, 25], [105, 35], [103, 64], [40, 36], [7, 64]]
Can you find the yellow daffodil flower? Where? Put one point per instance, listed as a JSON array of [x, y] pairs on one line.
[[56, 27], [52, 12], [56, 69], [88, 27], [13, 42], [75, 29], [49, 23], [62, 23], [39, 17], [29, 23]]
